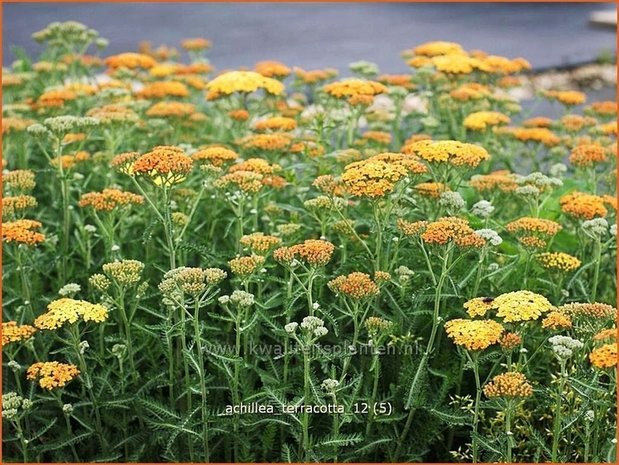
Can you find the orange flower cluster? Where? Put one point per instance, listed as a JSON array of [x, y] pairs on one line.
[[130, 60], [431, 189], [256, 165], [52, 375], [12, 332], [69, 161], [604, 356], [356, 285], [22, 232], [275, 142], [533, 232], [509, 341], [567, 97], [55, 98], [589, 310], [163, 89], [109, 199], [380, 137], [575, 123], [557, 320], [10, 124], [537, 122], [605, 108], [448, 151], [124, 162], [583, 206], [587, 155], [397, 80], [113, 113], [276, 123], [606, 335], [171, 109], [196, 43], [543, 135], [470, 91], [314, 76], [239, 114], [451, 230], [163, 165], [272, 69], [246, 181], [312, 251], [216, 156], [502, 180]]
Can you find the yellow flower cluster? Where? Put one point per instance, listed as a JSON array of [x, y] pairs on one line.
[[52, 375], [587, 155], [372, 178], [244, 266], [70, 311], [259, 242], [508, 385], [12, 332], [242, 81], [19, 180], [482, 120], [558, 261], [355, 285], [12, 205], [355, 91], [449, 151], [478, 306], [520, 306], [474, 334]]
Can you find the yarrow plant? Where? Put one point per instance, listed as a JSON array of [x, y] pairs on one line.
[[277, 264]]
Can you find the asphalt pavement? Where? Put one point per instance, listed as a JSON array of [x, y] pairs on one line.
[[327, 34]]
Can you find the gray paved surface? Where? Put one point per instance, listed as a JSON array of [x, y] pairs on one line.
[[319, 35]]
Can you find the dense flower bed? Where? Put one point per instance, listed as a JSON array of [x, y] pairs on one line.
[[282, 264]]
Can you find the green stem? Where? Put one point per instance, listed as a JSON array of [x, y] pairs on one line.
[[556, 429], [202, 374], [597, 254]]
